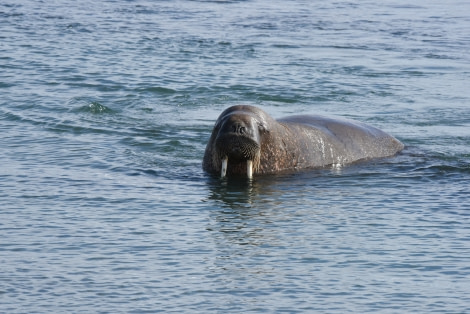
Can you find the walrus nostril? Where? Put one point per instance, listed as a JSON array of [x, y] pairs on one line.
[[238, 128]]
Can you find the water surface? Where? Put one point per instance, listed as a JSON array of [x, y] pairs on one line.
[[105, 112]]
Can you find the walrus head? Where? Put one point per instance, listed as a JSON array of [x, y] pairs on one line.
[[236, 140]]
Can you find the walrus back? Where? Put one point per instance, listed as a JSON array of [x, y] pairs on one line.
[[348, 140]]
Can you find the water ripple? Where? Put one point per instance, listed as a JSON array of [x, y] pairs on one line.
[[105, 113]]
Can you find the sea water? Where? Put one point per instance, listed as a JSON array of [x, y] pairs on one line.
[[105, 111]]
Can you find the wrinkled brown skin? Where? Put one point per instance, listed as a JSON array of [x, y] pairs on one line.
[[296, 142]]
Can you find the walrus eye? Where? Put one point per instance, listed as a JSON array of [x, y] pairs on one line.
[[262, 127]]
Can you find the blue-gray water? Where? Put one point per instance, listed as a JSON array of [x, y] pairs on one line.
[[105, 110]]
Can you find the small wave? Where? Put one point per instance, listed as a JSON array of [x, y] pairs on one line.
[[157, 90], [95, 108], [440, 170], [80, 104], [431, 165]]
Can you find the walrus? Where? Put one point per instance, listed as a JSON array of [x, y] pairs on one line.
[[247, 140]]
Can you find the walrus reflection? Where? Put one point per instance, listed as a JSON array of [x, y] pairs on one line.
[[247, 141]]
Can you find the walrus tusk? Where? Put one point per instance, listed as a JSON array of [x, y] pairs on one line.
[[224, 167], [249, 168]]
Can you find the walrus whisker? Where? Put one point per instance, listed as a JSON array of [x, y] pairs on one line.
[[224, 167]]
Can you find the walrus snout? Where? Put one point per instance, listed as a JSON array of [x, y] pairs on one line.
[[240, 150], [236, 147], [237, 144], [237, 137]]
